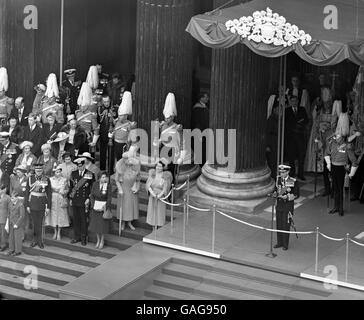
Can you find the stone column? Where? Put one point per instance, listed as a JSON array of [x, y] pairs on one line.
[[163, 64], [240, 82], [163, 59]]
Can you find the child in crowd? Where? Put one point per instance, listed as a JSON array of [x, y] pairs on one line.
[[16, 225]]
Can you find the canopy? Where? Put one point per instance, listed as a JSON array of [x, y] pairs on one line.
[[327, 47]]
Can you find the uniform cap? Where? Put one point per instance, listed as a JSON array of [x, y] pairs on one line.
[[4, 81], [70, 72], [284, 168], [38, 166], [170, 108], [21, 168], [126, 106], [4, 135], [40, 86]]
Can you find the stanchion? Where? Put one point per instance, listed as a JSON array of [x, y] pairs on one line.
[[188, 198], [317, 243], [347, 257], [184, 221], [172, 208], [155, 217], [271, 254], [315, 187], [213, 227]]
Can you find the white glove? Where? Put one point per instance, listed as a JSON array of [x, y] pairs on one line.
[[328, 163], [352, 172], [110, 135]]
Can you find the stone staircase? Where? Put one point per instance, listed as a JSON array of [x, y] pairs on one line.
[[203, 279]]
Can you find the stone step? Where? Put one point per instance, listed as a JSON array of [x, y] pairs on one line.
[[162, 293], [17, 282], [10, 293]]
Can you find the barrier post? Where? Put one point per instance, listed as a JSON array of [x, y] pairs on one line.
[[184, 220], [213, 227], [347, 257], [271, 254], [172, 208], [188, 197], [316, 254]]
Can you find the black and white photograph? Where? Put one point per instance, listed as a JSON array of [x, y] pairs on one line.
[[179, 155]]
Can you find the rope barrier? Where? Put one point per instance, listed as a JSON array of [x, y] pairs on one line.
[[330, 238], [357, 243], [180, 187], [262, 228], [198, 209], [164, 198], [172, 204]]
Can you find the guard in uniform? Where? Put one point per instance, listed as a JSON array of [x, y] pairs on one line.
[[87, 119], [337, 156], [8, 153], [286, 191], [50, 103], [72, 88], [6, 103], [171, 137], [38, 202], [120, 133], [80, 185]]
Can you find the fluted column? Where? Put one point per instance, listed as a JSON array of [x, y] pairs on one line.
[[240, 82], [163, 59]]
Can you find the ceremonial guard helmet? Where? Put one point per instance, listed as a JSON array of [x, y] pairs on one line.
[[93, 77], [4, 81], [84, 99], [170, 108], [126, 106], [52, 86]]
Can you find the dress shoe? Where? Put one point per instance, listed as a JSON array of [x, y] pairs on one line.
[[277, 246], [75, 241], [332, 211], [285, 248], [33, 244], [41, 245]]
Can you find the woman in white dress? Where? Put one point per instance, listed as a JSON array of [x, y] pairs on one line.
[[58, 217], [158, 186]]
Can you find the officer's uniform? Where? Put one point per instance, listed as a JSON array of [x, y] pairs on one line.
[[38, 197], [80, 192], [285, 207], [87, 120], [121, 134], [73, 90], [338, 155], [49, 106], [8, 156]]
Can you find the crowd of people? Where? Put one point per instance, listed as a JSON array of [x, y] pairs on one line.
[[324, 134], [48, 175]]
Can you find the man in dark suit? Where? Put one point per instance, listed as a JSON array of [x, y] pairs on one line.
[[20, 112], [72, 90], [80, 185], [38, 202], [295, 129], [51, 128], [34, 133]]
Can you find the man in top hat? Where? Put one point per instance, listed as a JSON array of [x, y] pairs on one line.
[[8, 153], [39, 97], [171, 139], [20, 112], [87, 119], [72, 90], [89, 164], [337, 155], [120, 133], [286, 191], [50, 103], [6, 103], [38, 202], [80, 185]]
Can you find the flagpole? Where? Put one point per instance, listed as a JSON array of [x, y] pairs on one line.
[[61, 45]]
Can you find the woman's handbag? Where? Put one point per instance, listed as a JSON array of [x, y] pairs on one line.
[[107, 214]]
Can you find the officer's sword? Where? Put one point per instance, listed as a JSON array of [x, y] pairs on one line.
[[290, 219]]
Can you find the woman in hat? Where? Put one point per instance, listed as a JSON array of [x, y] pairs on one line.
[[76, 135], [128, 182], [58, 218], [100, 198], [67, 165], [158, 186], [27, 159], [60, 146], [47, 160]]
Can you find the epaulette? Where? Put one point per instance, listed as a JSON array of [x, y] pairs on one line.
[[293, 179]]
